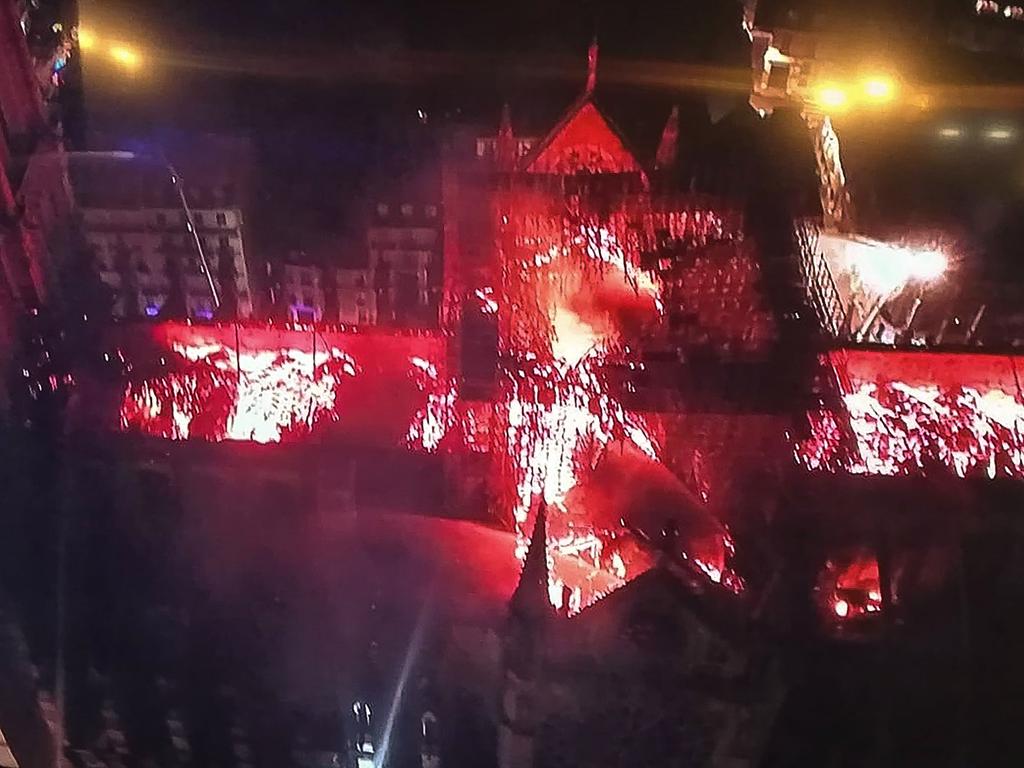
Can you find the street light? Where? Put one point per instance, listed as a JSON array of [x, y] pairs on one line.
[[879, 89], [830, 96]]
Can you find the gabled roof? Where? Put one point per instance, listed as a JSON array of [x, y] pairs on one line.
[[721, 612], [583, 140]]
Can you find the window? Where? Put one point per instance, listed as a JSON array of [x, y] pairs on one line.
[[362, 316], [222, 219], [431, 211], [382, 209], [224, 242], [406, 210], [360, 281]]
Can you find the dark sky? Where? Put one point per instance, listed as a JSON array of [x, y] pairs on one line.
[[329, 90], [663, 29]]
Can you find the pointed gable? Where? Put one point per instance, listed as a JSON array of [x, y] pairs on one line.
[[584, 141]]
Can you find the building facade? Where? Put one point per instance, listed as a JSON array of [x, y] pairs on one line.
[[404, 252], [145, 251], [301, 287]]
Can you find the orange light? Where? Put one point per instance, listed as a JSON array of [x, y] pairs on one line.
[[879, 89], [831, 96], [86, 39], [125, 56]]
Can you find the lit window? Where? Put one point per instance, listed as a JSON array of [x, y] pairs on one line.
[[406, 210], [382, 209], [431, 211]]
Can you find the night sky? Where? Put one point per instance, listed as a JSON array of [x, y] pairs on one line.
[[329, 92]]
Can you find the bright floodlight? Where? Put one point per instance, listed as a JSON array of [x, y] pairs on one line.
[[950, 132], [830, 96], [880, 89], [125, 56], [885, 269]]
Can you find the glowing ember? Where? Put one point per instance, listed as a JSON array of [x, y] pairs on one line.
[[577, 299], [276, 393], [901, 429], [852, 588], [433, 421]]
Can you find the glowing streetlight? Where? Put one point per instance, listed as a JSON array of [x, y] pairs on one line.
[[879, 89], [127, 57], [830, 96]]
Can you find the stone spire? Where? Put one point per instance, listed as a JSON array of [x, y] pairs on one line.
[[592, 67], [530, 601], [668, 147], [505, 154]]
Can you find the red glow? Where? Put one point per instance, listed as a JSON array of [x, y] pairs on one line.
[[579, 298], [585, 142], [852, 586], [270, 385], [907, 413], [569, 298]]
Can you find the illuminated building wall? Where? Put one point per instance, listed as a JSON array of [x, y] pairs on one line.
[[142, 248]]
